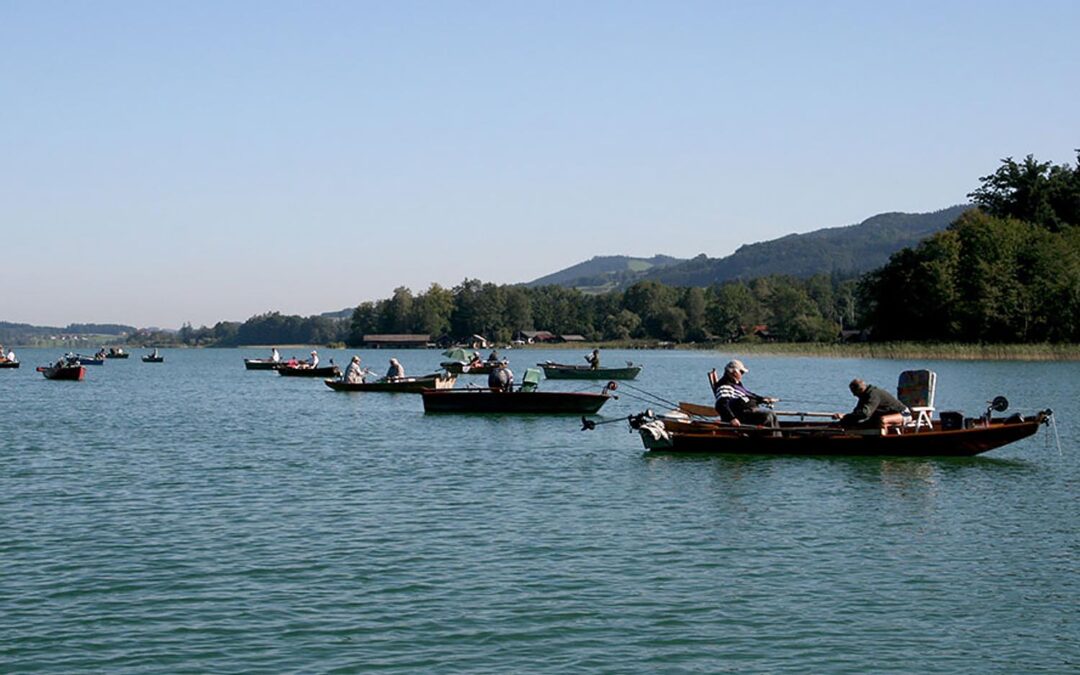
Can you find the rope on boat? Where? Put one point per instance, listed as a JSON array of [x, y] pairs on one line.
[[1053, 425]]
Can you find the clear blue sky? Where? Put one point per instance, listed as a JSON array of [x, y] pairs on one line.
[[163, 162]]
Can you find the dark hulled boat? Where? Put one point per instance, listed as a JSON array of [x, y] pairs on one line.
[[679, 433], [308, 371], [90, 360], [63, 371], [562, 371], [462, 368], [116, 353], [262, 364], [4, 363], [150, 358], [488, 401], [413, 385]]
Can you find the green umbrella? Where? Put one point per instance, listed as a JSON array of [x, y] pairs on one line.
[[458, 354]]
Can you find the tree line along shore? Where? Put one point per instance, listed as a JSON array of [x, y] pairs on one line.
[[1002, 281]]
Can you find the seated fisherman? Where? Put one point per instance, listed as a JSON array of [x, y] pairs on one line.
[[396, 370], [737, 404], [876, 408], [501, 378], [353, 373]]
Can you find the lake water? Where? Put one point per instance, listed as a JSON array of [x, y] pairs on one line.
[[195, 517]]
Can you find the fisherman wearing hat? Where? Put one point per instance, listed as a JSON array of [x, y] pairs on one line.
[[353, 373], [501, 377], [314, 360], [396, 370], [735, 403]]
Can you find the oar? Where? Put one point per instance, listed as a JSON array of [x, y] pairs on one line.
[[697, 409]]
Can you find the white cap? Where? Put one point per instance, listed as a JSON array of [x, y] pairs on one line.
[[736, 365]]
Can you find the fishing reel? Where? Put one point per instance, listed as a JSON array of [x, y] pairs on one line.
[[999, 404]]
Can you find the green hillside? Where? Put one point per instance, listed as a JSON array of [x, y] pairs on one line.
[[604, 273]]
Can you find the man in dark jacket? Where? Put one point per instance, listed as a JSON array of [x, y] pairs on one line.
[[876, 407]]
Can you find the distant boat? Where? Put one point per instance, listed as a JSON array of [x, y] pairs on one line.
[[561, 371], [262, 364], [413, 385], [534, 402], [116, 353], [90, 360], [150, 358], [307, 371], [462, 368], [63, 372], [4, 363]]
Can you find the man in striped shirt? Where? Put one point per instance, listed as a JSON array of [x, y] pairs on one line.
[[735, 403]]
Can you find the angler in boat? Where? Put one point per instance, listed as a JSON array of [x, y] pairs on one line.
[[593, 359], [354, 374], [501, 378], [876, 408], [735, 403], [396, 370]]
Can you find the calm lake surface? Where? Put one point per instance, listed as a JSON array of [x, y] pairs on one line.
[[194, 517]]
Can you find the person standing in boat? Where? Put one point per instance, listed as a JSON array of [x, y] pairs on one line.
[[314, 360], [274, 355], [735, 403], [396, 370], [10, 354], [353, 373], [501, 377], [593, 359], [876, 408]]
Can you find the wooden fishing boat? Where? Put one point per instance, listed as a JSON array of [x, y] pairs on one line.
[[63, 372], [462, 368], [562, 371], [677, 432], [90, 360], [116, 353], [150, 358], [4, 363], [308, 371], [413, 385], [262, 364], [533, 402]]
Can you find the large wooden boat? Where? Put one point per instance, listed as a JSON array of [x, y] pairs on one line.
[[960, 438], [536, 402], [413, 385], [562, 371], [262, 364], [63, 372], [308, 371]]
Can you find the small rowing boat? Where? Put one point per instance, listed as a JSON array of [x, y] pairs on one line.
[[150, 358], [116, 353], [262, 364], [413, 385], [63, 371], [90, 360], [462, 368], [525, 400], [4, 363], [307, 371], [562, 371]]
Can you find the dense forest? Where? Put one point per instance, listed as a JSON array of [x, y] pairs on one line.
[[1007, 270]]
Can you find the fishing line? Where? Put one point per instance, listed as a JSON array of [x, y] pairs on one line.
[[656, 398]]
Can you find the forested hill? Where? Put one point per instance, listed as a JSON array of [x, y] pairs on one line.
[[848, 250], [603, 273]]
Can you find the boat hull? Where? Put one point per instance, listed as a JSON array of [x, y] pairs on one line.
[[405, 385], [90, 362], [153, 359], [558, 371], [117, 356], [823, 439], [73, 373], [262, 364], [322, 371], [9, 364], [523, 402]]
